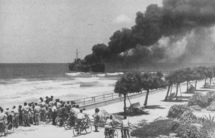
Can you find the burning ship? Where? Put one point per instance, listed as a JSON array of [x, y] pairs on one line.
[[178, 31]]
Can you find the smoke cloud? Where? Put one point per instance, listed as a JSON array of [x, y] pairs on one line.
[[180, 31]]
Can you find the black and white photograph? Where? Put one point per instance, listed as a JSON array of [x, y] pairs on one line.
[[107, 68]]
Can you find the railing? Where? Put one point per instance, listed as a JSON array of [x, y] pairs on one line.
[[97, 99]]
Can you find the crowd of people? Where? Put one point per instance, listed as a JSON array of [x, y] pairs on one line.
[[49, 109], [32, 113]]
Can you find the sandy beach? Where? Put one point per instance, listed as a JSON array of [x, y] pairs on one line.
[[157, 108]]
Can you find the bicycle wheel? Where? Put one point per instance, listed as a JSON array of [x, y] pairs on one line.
[[75, 131], [59, 121], [88, 128], [115, 134], [67, 124], [48, 119]]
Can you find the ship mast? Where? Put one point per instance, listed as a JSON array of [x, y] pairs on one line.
[[77, 53]]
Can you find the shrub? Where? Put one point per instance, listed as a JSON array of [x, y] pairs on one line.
[[156, 128], [176, 111], [190, 126], [210, 96], [208, 127], [211, 107], [198, 99], [187, 118]]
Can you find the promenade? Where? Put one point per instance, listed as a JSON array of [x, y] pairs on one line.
[[157, 108]]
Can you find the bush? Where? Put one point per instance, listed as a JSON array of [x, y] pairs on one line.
[[209, 127], [211, 107], [156, 128], [176, 111], [210, 96], [198, 99], [190, 126]]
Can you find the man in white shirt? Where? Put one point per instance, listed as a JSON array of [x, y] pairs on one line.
[[75, 110], [54, 113], [109, 125], [125, 127], [80, 115], [80, 120], [26, 116], [37, 110]]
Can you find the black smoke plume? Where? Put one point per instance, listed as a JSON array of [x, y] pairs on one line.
[[177, 31]]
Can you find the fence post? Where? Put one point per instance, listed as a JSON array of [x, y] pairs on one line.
[[84, 101], [103, 97], [112, 95]]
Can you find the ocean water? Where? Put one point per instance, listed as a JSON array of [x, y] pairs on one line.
[[28, 82]]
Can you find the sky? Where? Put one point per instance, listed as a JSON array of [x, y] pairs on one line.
[[50, 31]]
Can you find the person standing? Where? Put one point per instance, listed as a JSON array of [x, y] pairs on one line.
[[3, 118], [125, 128], [54, 113], [37, 114], [96, 119], [20, 115], [26, 114], [16, 116]]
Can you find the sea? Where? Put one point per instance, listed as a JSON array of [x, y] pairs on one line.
[[21, 83]]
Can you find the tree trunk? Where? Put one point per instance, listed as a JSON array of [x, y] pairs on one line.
[[167, 93], [124, 103], [146, 99], [195, 84], [176, 91], [210, 80], [187, 85]]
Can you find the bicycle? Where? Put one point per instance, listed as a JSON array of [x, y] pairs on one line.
[[70, 122], [3, 129], [60, 121], [111, 133], [83, 125]]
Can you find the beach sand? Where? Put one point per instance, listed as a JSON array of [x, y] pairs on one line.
[[158, 108]]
